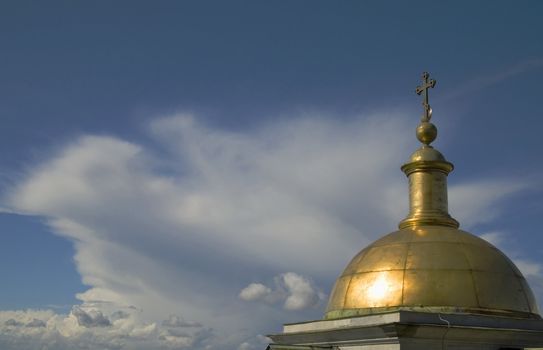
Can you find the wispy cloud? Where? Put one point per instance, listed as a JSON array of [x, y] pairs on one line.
[[484, 81], [475, 203], [495, 238]]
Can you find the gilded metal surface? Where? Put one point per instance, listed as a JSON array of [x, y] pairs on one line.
[[431, 268], [427, 172], [426, 133], [430, 265]]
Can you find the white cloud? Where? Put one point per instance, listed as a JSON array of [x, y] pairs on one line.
[[476, 203], [483, 81], [13, 323], [91, 318], [89, 329], [35, 323], [245, 346], [294, 291], [494, 238], [255, 291], [301, 293], [529, 268], [176, 321], [502, 240], [178, 225], [255, 343]]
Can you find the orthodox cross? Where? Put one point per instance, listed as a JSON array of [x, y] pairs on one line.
[[423, 89]]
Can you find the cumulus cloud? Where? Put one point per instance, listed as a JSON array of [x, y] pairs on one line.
[[119, 315], [91, 318], [176, 224], [295, 291], [301, 292], [245, 346], [176, 321], [89, 329], [35, 323], [255, 291], [13, 323], [255, 343]]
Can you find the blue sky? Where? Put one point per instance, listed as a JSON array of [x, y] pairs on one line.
[[165, 156]]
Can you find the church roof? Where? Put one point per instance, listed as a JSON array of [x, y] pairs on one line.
[[431, 268], [429, 264]]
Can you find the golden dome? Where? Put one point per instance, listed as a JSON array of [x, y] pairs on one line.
[[435, 269], [430, 265]]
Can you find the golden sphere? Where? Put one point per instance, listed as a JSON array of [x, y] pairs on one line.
[[426, 132]]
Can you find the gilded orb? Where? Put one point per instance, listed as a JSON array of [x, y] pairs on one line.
[[426, 132]]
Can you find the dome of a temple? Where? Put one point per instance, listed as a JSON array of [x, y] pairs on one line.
[[429, 265], [431, 268]]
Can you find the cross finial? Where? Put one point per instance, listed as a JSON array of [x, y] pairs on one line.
[[423, 89]]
